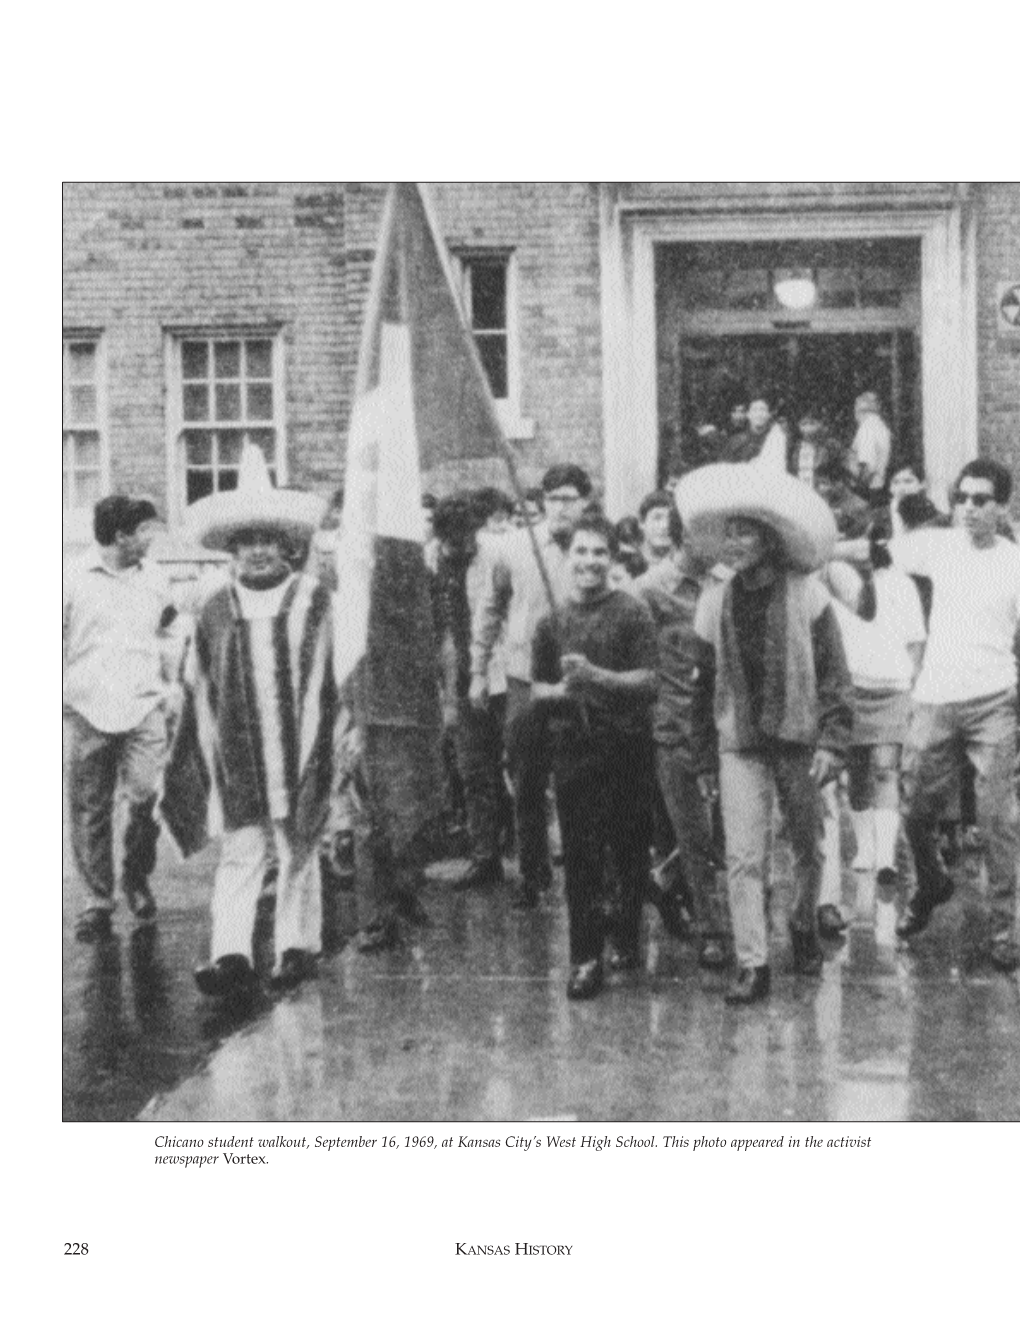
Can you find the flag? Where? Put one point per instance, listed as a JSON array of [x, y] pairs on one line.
[[421, 399]]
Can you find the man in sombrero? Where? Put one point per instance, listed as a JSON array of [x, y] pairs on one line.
[[252, 759], [778, 688]]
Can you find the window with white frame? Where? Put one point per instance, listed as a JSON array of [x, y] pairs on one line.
[[228, 392], [488, 301], [83, 425]]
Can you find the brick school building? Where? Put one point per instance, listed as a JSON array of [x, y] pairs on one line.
[[612, 319]]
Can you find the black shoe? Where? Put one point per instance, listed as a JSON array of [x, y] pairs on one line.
[[831, 922], [1004, 954], [673, 909], [94, 926], [378, 936], [227, 977], [921, 906], [296, 965], [807, 952], [524, 898], [139, 899], [887, 877], [624, 960], [483, 873], [713, 955], [751, 985], [585, 980]]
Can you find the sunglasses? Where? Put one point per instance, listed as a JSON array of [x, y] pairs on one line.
[[968, 497]]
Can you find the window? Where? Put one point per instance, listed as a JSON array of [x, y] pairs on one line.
[[485, 301], [84, 438], [227, 392]]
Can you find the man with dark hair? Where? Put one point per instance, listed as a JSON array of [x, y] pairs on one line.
[[686, 757], [493, 509], [593, 670], [853, 515], [659, 522], [115, 610], [966, 696], [513, 600]]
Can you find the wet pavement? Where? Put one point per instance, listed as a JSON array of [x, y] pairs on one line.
[[468, 1021]]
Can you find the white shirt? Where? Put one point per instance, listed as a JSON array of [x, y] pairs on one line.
[[975, 612], [112, 648], [876, 649], [871, 447]]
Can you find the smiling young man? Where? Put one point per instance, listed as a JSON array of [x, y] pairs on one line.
[[594, 673], [966, 696]]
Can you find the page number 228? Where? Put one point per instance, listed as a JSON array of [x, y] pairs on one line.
[[76, 1248]]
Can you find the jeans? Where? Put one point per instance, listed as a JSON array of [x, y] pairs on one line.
[[528, 759], [479, 742], [746, 784], [98, 763], [984, 730], [690, 817], [604, 807], [244, 858]]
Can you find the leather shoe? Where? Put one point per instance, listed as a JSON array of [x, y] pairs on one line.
[[296, 965], [585, 980], [921, 906], [672, 909], [1004, 954], [713, 954], [228, 976], [483, 873], [751, 985], [887, 877], [807, 952], [831, 922], [93, 927]]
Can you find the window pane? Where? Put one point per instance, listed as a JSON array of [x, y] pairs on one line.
[[81, 361], [837, 287], [227, 356], [198, 447], [229, 447], [200, 483], [488, 295], [194, 359], [266, 441], [227, 479], [259, 358], [86, 450], [228, 403], [493, 353], [260, 402], [196, 403], [880, 287], [82, 403], [749, 290]]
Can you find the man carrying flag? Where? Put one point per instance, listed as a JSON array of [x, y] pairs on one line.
[[420, 399]]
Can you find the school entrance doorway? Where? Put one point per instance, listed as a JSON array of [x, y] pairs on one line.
[[807, 325]]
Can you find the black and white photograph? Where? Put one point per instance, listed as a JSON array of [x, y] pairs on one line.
[[540, 653]]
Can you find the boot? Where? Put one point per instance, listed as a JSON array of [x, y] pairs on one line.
[[807, 952]]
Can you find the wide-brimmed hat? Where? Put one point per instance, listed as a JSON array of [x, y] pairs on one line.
[[710, 495], [215, 520]]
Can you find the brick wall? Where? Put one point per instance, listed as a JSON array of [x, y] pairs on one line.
[[997, 207]]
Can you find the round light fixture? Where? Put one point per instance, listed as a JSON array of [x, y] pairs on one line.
[[796, 290]]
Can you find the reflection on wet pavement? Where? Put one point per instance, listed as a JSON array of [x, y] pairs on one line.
[[469, 1021]]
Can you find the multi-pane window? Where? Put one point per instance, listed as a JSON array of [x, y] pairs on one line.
[[83, 427], [487, 303], [229, 395]]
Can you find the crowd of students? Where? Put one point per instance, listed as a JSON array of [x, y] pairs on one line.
[[640, 692]]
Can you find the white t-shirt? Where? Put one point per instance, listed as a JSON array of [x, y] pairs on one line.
[[974, 613], [871, 448], [876, 649]]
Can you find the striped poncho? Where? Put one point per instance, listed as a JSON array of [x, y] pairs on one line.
[[255, 738]]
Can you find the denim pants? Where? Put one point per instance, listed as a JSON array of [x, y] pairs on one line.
[[479, 741], [689, 815], [244, 858], [99, 763], [747, 781], [984, 730]]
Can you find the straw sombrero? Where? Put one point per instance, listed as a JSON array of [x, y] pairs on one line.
[[710, 495], [215, 519]]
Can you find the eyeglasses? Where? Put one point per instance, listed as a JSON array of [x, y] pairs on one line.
[[969, 497], [562, 499]]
